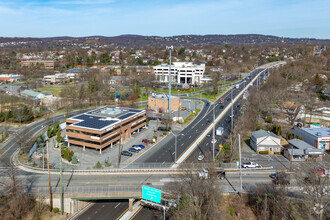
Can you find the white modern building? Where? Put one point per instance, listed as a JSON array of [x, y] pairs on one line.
[[60, 77], [181, 73]]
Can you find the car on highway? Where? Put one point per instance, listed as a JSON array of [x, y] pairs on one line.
[[276, 175], [146, 141], [126, 153], [207, 104], [209, 134], [221, 100], [208, 121], [228, 99], [133, 150], [250, 165], [201, 157], [221, 106], [283, 180], [231, 115]]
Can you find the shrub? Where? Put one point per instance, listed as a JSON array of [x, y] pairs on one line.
[[165, 133], [232, 211], [289, 136], [277, 152], [269, 119], [66, 153], [263, 152], [298, 137], [98, 165], [154, 137], [56, 210], [169, 128], [107, 164]]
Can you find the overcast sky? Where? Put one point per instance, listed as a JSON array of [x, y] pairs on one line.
[[47, 18]]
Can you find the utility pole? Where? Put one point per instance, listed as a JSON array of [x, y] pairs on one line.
[[213, 141], [176, 147], [240, 164], [232, 110], [49, 184], [119, 151], [169, 80], [61, 181], [266, 206]]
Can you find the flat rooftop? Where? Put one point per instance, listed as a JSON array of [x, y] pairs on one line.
[[320, 132], [104, 117]]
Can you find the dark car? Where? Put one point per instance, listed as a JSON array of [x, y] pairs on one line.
[[208, 104], [221, 174], [228, 99], [126, 153], [162, 129], [283, 180], [208, 121], [276, 175], [146, 141], [134, 150], [221, 106], [138, 145], [209, 134]]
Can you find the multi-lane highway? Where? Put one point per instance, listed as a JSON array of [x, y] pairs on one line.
[[165, 152]]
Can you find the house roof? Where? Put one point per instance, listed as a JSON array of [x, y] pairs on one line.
[[302, 148], [262, 133]]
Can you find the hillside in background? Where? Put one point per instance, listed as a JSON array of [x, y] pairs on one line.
[[140, 41]]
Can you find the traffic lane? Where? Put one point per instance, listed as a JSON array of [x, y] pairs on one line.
[[104, 209], [147, 213]]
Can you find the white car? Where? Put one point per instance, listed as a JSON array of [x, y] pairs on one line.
[[200, 157], [137, 148], [250, 165]]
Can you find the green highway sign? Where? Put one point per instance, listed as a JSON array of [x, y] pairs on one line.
[[151, 194]]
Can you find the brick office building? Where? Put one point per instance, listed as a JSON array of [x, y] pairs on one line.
[[104, 126], [160, 103]]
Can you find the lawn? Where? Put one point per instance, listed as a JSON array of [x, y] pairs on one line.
[[211, 98], [56, 90], [191, 116]]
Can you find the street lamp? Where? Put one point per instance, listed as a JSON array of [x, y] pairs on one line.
[[175, 149], [169, 79]]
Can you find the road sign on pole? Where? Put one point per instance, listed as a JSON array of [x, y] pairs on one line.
[[151, 194]]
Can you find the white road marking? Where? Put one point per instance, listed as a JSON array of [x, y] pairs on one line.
[[117, 205]]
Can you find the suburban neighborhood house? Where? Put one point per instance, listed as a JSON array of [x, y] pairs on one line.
[[159, 103], [301, 151], [317, 137], [103, 127], [181, 73], [265, 141]]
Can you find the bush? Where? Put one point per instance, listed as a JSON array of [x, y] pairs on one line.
[[165, 133], [56, 210], [298, 137], [277, 152], [66, 153], [98, 165], [107, 164], [269, 119], [154, 137], [263, 152], [232, 211], [289, 136]]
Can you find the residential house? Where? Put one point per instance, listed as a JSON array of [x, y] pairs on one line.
[[301, 151], [262, 141]]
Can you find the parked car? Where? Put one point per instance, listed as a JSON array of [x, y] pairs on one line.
[[141, 146], [250, 165], [209, 134], [126, 153], [200, 157], [134, 150], [277, 174], [146, 141], [162, 129], [207, 104]]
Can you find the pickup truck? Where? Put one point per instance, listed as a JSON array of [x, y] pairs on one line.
[[250, 165]]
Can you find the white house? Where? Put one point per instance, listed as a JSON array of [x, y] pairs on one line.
[[262, 140], [181, 73]]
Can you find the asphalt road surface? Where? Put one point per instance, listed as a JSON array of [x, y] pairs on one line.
[[104, 210]]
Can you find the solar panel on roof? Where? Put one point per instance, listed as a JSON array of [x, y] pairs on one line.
[[126, 116], [95, 124]]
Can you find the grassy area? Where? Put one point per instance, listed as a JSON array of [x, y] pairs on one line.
[[141, 106], [191, 116], [211, 98], [54, 89]]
